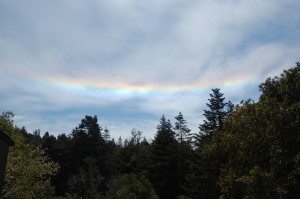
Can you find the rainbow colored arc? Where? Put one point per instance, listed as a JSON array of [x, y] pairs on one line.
[[136, 89]]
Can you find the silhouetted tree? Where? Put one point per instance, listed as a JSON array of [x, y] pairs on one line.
[[214, 117], [165, 172], [184, 137], [106, 135]]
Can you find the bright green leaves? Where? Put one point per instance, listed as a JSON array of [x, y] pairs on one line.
[[28, 170]]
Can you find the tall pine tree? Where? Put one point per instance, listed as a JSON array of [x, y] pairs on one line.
[[215, 117], [183, 135], [203, 182], [106, 135], [165, 168]]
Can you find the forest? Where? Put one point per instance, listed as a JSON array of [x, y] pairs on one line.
[[246, 150]]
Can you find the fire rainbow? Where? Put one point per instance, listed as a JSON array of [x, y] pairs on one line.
[[89, 85]]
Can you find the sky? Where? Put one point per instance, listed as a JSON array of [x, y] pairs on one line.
[[131, 61]]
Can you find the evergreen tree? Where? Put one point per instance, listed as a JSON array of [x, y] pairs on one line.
[[182, 131], [184, 137], [216, 114], [165, 169], [203, 180], [86, 139], [48, 143], [136, 138], [90, 126], [230, 108], [125, 158], [120, 142], [258, 143], [215, 117], [106, 134], [59, 152], [24, 132], [87, 181], [87, 143], [130, 186]]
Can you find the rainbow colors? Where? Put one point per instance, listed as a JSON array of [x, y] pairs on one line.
[[95, 85]]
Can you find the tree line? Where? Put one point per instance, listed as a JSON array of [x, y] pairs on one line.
[[249, 150]]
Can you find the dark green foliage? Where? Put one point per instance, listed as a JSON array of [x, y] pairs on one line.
[[133, 157], [184, 137], [202, 179], [165, 172], [87, 139], [87, 181], [120, 142], [58, 153], [90, 156], [215, 117], [258, 146], [129, 186], [284, 89], [165, 134], [106, 135], [84, 157], [182, 131], [230, 108], [216, 114], [247, 151], [48, 142]]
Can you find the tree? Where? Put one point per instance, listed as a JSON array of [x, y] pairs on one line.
[[230, 108], [48, 143], [215, 117], [184, 137], [132, 157], [181, 129], [283, 89], [91, 127], [86, 140], [87, 181], [164, 170], [120, 142], [29, 171], [86, 144], [129, 186], [106, 134], [62, 149], [136, 138], [203, 179], [257, 144], [125, 158]]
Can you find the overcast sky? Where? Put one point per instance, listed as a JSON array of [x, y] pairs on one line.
[[130, 61]]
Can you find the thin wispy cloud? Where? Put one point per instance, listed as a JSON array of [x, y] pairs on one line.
[[123, 60]]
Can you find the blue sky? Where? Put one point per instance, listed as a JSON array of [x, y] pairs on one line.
[[129, 61]]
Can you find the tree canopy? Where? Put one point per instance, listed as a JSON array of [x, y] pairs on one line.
[[249, 150], [258, 144], [29, 171]]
